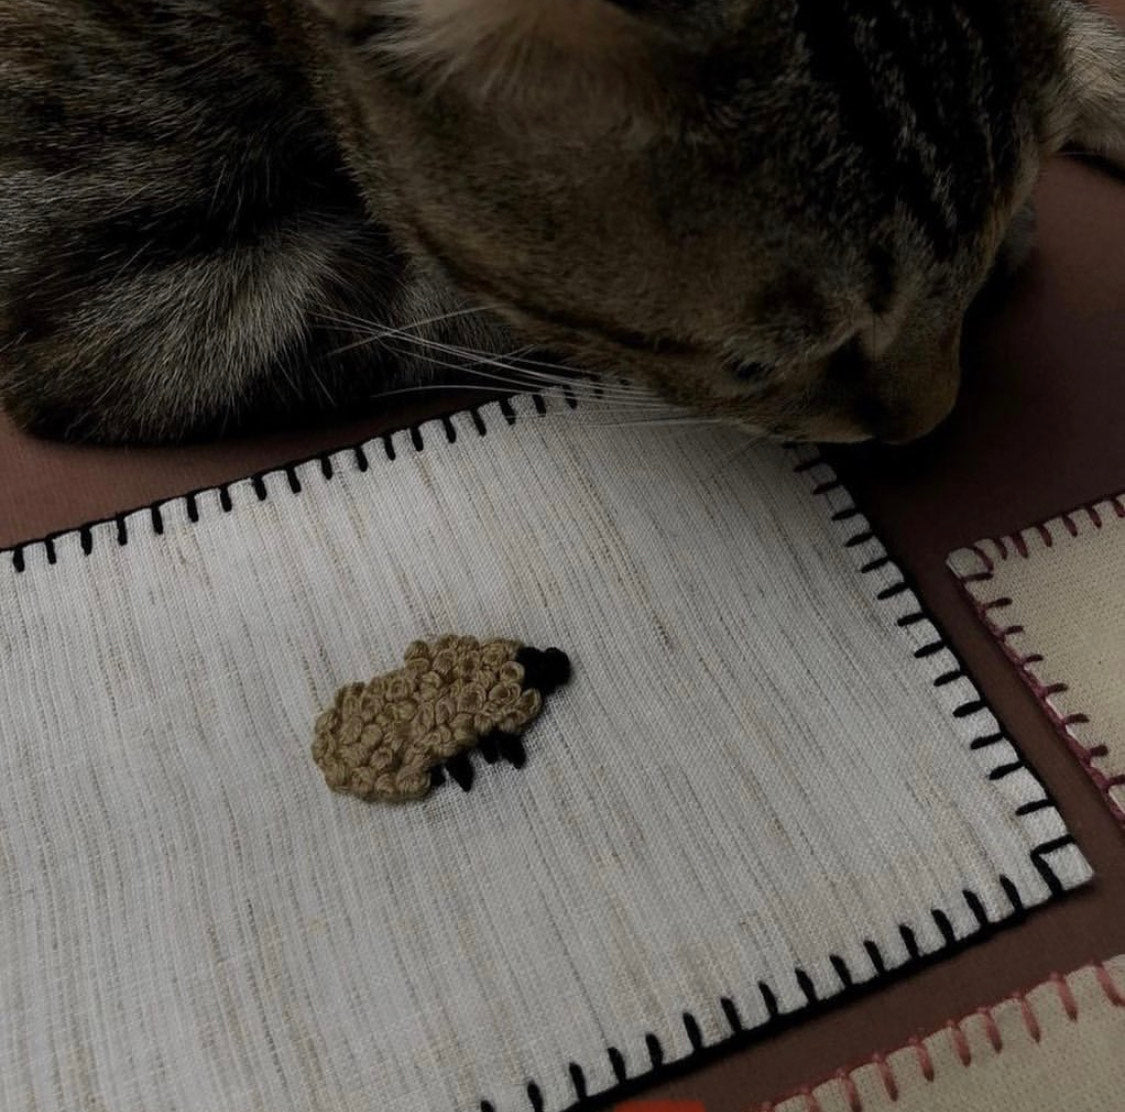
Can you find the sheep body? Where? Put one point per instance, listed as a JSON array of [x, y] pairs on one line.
[[383, 739]]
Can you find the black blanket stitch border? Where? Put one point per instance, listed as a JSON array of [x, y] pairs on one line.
[[823, 482]]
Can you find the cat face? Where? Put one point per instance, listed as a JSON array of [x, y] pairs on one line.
[[774, 214]]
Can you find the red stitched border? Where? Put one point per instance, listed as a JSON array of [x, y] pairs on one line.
[[1010, 546], [953, 1030]]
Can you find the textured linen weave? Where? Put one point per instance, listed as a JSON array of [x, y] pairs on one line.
[[1054, 596], [767, 779]]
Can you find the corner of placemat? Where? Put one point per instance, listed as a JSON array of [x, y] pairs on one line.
[[976, 568]]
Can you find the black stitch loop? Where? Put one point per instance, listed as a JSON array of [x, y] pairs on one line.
[[769, 999], [535, 1095], [929, 650], [973, 706], [1013, 895], [1000, 771], [730, 1010], [876, 957], [694, 1034], [944, 926], [973, 901], [1039, 860], [806, 985], [577, 1080], [1054, 844], [893, 590], [842, 971], [985, 740]]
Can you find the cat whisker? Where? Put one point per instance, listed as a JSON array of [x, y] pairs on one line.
[[657, 422], [597, 384], [522, 385], [354, 322], [515, 359], [471, 362], [492, 392], [752, 441]]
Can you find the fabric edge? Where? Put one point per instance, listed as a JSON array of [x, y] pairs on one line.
[[924, 1056], [974, 568]]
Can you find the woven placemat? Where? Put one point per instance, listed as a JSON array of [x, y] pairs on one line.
[[1058, 1046], [1053, 595], [768, 781]]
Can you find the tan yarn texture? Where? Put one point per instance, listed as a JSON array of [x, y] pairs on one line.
[[379, 740]]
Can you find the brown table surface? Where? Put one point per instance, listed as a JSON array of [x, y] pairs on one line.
[[1040, 429]]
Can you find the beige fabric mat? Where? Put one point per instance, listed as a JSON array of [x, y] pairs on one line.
[[1058, 1048], [1054, 597], [768, 780]]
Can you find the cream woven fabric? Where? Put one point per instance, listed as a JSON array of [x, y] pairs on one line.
[[1054, 596], [1058, 1048], [766, 779]]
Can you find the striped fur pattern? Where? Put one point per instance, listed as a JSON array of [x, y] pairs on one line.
[[222, 213]]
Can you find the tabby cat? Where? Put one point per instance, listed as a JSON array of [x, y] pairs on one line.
[[221, 212]]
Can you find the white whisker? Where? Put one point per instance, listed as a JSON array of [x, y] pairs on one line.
[[509, 362], [471, 363], [524, 386]]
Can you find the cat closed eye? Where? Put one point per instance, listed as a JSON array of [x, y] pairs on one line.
[[751, 372]]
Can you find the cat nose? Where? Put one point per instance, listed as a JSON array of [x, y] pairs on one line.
[[903, 424], [916, 389]]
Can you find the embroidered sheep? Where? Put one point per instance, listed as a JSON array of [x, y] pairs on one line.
[[385, 739]]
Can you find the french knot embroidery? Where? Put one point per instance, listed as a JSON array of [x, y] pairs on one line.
[[385, 740]]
